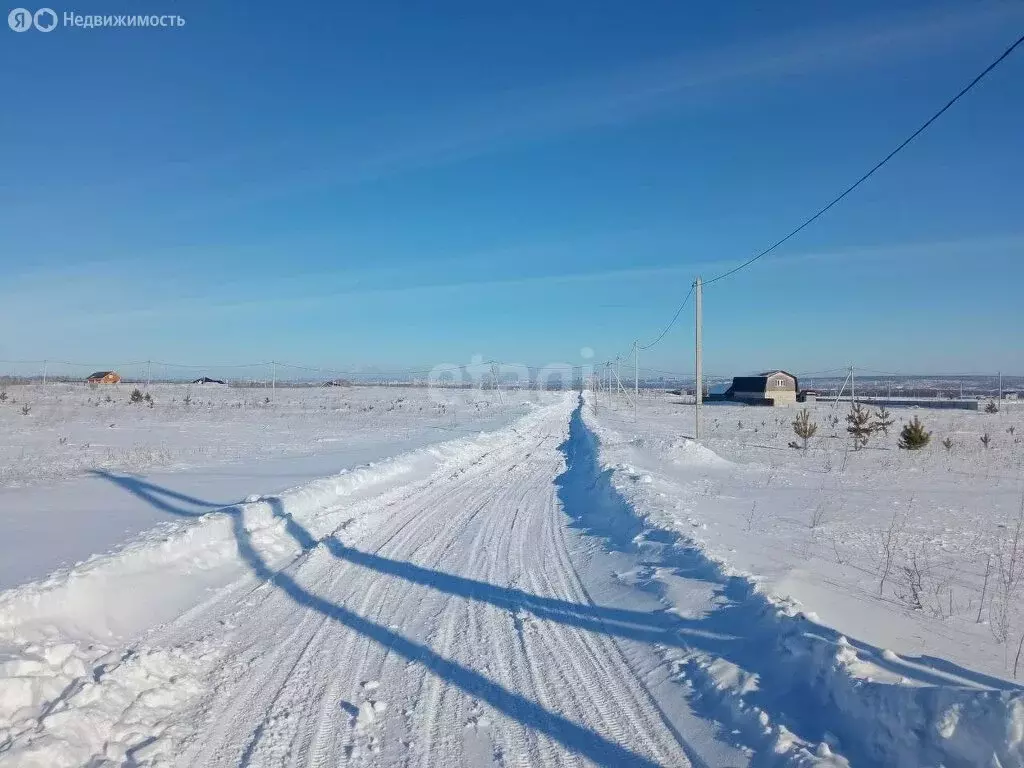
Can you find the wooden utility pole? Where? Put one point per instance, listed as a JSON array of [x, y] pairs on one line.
[[698, 400], [636, 376]]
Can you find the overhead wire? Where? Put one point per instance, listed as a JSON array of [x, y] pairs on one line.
[[874, 168], [672, 322]]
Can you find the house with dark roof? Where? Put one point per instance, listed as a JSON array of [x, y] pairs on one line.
[[768, 388], [104, 377]]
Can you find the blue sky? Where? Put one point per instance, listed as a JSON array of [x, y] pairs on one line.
[[403, 184]]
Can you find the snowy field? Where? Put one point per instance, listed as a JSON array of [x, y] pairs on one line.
[[570, 587], [70, 429], [821, 527], [67, 466]]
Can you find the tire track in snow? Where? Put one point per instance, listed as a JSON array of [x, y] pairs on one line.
[[409, 533], [327, 737], [436, 690], [243, 703]]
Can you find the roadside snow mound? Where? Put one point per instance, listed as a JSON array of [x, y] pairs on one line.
[[685, 451], [114, 709], [681, 450]]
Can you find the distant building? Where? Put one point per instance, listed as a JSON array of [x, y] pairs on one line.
[[769, 388], [808, 396], [1010, 395], [207, 380], [104, 377]]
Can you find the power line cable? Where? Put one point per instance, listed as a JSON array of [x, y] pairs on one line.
[[875, 168], [671, 323]]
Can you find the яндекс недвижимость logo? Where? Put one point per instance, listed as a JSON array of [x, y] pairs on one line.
[[46, 20], [22, 20]]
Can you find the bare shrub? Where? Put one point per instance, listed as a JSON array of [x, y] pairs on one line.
[[948, 444], [1009, 572], [26, 409], [915, 574], [835, 550], [986, 440], [890, 543], [752, 516], [984, 587], [818, 515]]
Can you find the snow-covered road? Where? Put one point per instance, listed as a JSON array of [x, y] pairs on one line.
[[453, 634]]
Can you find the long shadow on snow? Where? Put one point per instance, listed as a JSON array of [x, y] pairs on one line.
[[159, 497], [735, 630], [560, 729]]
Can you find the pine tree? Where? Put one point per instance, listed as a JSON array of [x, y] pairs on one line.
[[991, 407], [914, 437], [804, 427], [883, 420], [859, 419]]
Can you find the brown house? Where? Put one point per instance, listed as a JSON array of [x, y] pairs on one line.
[[104, 377], [769, 388]]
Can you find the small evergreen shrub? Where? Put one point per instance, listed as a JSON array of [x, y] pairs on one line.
[[804, 427], [860, 428], [913, 436]]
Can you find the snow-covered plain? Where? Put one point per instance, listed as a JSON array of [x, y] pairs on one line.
[[575, 588], [72, 428]]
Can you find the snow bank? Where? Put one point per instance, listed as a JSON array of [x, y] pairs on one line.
[[62, 706], [790, 684], [681, 451]]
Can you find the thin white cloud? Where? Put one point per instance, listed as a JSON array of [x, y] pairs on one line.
[[373, 288], [460, 132], [563, 108]]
